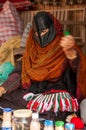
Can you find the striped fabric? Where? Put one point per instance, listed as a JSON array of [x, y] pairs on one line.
[[10, 23], [61, 101]]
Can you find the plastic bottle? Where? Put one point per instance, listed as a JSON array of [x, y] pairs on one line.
[[69, 126], [7, 115], [48, 125], [59, 125], [35, 124]]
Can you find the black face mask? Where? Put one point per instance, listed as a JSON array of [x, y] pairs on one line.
[[43, 21]]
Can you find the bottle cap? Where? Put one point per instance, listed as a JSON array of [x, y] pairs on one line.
[[7, 110], [48, 123], [35, 115], [66, 33], [59, 123], [69, 126], [22, 113]]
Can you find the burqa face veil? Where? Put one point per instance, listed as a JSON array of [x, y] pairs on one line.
[[42, 22]]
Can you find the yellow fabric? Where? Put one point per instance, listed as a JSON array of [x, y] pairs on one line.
[[6, 50]]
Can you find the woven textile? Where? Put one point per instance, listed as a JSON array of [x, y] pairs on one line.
[[19, 4], [10, 23], [61, 101]]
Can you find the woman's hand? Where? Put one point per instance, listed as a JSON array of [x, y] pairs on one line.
[[2, 91], [67, 43]]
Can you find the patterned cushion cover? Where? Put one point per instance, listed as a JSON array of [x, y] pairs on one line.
[[19, 4], [10, 23]]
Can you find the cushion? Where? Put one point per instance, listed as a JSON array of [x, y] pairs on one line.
[[10, 22], [7, 50], [19, 4]]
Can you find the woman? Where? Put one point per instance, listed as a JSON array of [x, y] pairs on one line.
[[52, 71]]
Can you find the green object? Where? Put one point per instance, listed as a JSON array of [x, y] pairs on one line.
[[5, 69], [66, 33], [59, 123]]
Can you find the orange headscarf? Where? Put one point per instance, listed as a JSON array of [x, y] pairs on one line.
[[39, 64]]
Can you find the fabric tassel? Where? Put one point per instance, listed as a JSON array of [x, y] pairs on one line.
[[61, 101]]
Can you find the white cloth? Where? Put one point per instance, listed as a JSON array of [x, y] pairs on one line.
[[83, 110]]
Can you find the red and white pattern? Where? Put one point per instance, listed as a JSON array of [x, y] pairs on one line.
[[61, 101], [19, 4], [10, 23]]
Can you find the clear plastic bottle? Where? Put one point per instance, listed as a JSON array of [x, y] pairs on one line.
[[35, 124], [69, 126], [7, 117], [48, 125]]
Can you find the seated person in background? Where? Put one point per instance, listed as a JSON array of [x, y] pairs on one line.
[[52, 68]]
